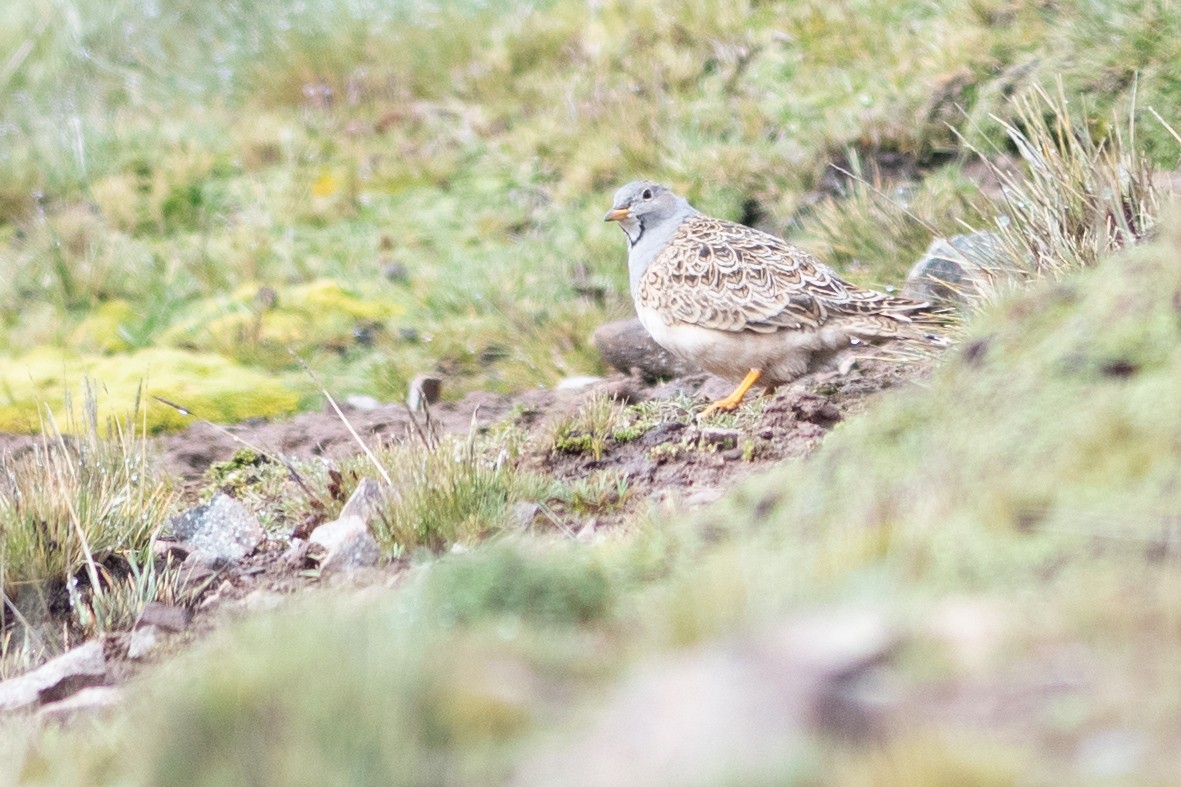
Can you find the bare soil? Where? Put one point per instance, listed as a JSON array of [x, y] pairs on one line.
[[676, 462]]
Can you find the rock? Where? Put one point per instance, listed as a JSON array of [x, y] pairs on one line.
[[524, 514], [425, 389], [586, 533], [735, 712], [577, 383], [56, 679], [958, 269], [717, 437], [395, 272], [167, 617], [365, 502], [95, 699], [362, 402], [222, 528], [144, 640], [347, 545], [627, 346]]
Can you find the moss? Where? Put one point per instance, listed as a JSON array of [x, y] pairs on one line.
[[209, 386]]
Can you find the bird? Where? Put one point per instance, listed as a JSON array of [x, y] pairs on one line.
[[741, 303]]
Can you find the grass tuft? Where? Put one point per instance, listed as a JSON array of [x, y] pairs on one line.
[[76, 511]]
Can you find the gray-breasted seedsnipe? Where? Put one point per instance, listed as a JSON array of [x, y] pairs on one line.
[[736, 301]]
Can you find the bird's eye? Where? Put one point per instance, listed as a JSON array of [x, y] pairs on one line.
[[647, 194]]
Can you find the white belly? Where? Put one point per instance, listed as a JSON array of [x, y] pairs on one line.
[[782, 356]]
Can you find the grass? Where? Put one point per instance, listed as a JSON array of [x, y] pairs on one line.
[[207, 204], [77, 515], [158, 200]]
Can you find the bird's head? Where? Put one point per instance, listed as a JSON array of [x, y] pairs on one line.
[[643, 204]]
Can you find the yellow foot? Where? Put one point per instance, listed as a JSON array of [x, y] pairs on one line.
[[732, 401]]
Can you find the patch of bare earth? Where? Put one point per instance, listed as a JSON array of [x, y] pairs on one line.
[[678, 461]]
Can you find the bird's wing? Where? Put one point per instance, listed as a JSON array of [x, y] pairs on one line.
[[725, 276]]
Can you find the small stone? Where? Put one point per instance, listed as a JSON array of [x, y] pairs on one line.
[[365, 502], [395, 272], [222, 528], [56, 679], [362, 402], [165, 616], [577, 383], [525, 514], [425, 389], [144, 640], [720, 438], [627, 346], [94, 700], [347, 544], [586, 533], [957, 269]]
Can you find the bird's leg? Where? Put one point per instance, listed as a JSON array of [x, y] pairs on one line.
[[732, 401]]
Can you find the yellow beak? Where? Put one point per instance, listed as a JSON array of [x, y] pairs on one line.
[[616, 214]]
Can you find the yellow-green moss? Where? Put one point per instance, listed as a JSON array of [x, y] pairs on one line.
[[210, 386], [259, 324]]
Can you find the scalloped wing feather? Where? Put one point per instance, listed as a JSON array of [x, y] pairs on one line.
[[729, 277]]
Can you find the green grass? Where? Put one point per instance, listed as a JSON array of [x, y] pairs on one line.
[[210, 190], [162, 168], [77, 515]]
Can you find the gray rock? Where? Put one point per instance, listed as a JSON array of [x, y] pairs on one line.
[[362, 402], [396, 272], [524, 514], [425, 389], [365, 502], [958, 269], [96, 699], [56, 679], [626, 346], [165, 616], [717, 437], [347, 545], [577, 383], [222, 528]]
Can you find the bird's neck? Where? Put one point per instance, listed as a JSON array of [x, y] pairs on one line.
[[653, 240]]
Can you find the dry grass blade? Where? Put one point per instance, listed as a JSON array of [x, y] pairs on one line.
[[81, 500], [1085, 192]]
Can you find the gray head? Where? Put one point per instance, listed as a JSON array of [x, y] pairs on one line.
[[643, 205]]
